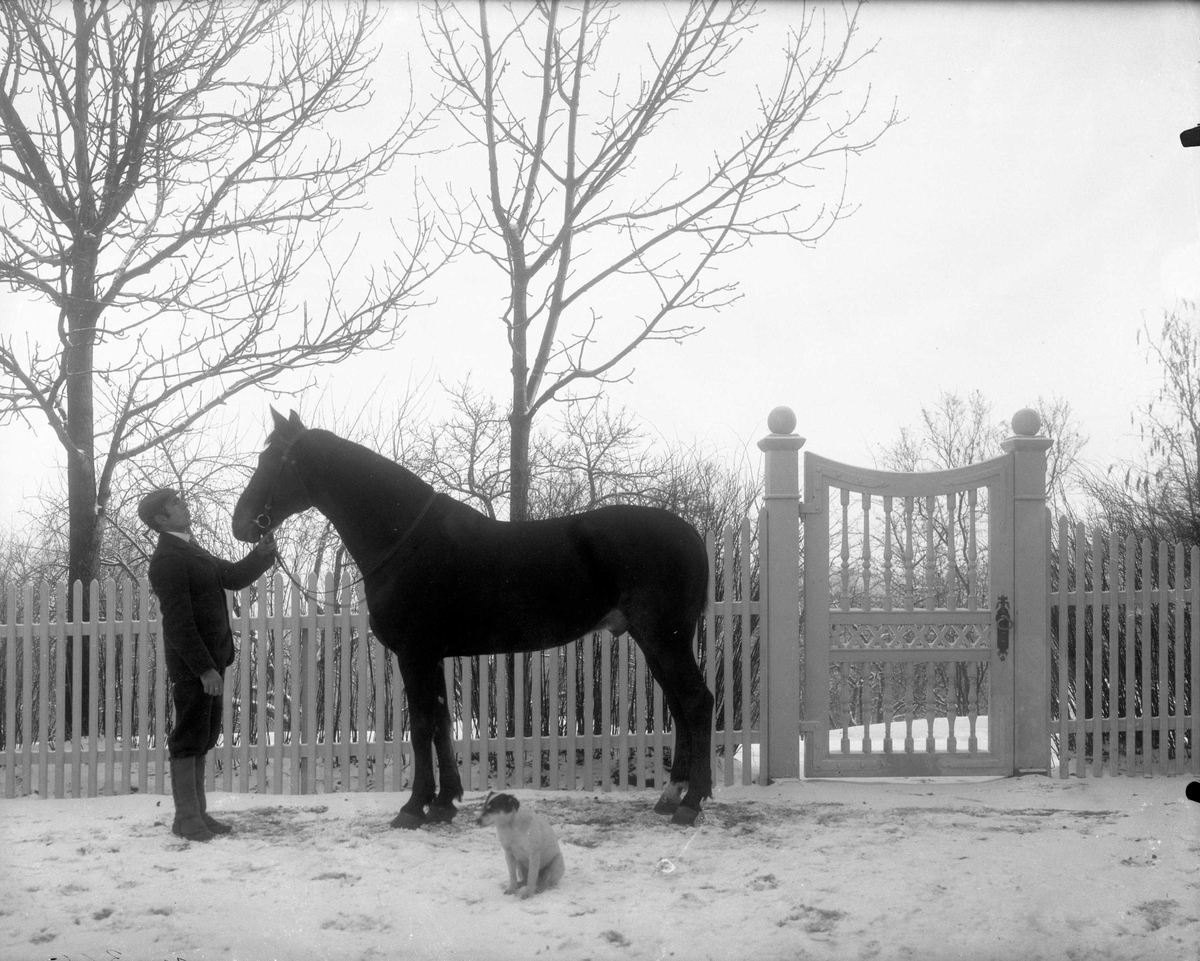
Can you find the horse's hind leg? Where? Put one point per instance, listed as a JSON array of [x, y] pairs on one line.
[[696, 704], [691, 705], [681, 753], [442, 809]]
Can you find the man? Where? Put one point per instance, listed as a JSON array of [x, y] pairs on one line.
[[198, 643]]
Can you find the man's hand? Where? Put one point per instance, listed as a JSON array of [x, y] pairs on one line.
[[212, 683], [266, 544]]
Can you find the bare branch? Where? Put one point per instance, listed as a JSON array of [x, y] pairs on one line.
[[598, 264], [169, 178]]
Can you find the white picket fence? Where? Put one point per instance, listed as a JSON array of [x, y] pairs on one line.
[[1125, 621], [312, 704]]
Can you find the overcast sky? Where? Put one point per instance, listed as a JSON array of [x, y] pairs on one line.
[[1034, 208]]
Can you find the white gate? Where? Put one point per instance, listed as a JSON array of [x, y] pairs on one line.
[[905, 670]]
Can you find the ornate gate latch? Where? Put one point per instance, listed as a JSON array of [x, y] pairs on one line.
[[1003, 625]]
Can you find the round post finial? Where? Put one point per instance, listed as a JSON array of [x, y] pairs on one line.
[[1026, 422], [782, 420]]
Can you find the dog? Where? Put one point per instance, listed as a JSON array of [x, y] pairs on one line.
[[530, 847]]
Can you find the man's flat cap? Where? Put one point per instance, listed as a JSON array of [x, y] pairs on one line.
[[154, 504]]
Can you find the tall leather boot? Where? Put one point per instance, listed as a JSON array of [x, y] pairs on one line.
[[188, 822], [217, 827]]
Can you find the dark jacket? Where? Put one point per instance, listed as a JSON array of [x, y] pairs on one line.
[[190, 584]]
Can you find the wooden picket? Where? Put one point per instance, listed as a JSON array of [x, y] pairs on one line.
[[312, 705], [1126, 633]]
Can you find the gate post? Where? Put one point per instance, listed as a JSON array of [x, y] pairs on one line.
[[1031, 587], [779, 580]]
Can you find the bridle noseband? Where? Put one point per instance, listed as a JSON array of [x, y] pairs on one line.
[[263, 520]]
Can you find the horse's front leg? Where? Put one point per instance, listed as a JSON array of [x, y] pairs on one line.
[[423, 719], [451, 789]]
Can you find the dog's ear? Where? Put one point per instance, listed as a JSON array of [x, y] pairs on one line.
[[486, 800]]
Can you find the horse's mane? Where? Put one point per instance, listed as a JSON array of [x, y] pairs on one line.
[[364, 463]]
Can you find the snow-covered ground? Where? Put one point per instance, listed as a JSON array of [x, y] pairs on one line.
[[925, 869]]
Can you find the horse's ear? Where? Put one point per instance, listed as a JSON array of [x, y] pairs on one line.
[[289, 426]]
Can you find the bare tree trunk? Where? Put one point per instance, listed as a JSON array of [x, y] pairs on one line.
[[83, 536], [83, 539], [83, 553], [84, 533], [520, 416], [519, 467]]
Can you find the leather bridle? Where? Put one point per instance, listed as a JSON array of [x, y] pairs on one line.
[[263, 520]]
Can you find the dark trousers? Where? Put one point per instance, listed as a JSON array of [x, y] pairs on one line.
[[197, 719]]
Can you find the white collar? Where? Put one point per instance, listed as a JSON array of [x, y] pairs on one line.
[[182, 535]]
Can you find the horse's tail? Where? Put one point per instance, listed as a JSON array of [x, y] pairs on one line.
[[701, 603]]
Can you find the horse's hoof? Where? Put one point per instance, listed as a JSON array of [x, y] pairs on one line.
[[666, 806], [685, 815], [441, 815], [408, 821]]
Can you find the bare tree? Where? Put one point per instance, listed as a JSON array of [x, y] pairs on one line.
[[602, 255], [169, 173], [1065, 488], [26, 557], [596, 456], [1159, 496], [955, 432], [706, 488], [588, 456], [464, 454], [209, 468]]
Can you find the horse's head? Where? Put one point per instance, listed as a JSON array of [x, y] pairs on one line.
[[275, 492]]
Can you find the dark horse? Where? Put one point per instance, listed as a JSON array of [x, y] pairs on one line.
[[443, 580]]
